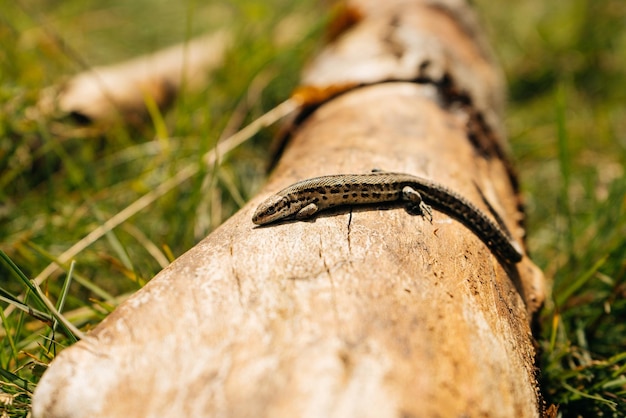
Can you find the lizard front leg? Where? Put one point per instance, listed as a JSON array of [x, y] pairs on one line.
[[307, 211]]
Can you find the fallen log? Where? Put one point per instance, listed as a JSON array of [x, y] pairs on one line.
[[368, 312]]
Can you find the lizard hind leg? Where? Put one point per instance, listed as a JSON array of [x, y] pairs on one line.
[[415, 204]]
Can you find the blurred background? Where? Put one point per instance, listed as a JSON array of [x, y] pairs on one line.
[[60, 179]]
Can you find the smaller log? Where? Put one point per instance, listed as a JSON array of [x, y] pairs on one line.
[[120, 91]]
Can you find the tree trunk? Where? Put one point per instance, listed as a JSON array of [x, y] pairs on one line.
[[360, 312]]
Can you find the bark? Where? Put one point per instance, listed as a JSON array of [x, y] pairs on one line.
[[360, 312]]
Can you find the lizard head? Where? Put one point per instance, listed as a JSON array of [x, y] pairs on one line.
[[272, 209]]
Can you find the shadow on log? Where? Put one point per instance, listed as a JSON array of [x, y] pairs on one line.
[[357, 313]]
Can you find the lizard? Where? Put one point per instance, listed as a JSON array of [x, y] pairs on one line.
[[305, 198]]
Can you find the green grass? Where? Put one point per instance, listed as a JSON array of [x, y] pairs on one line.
[[567, 124]]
